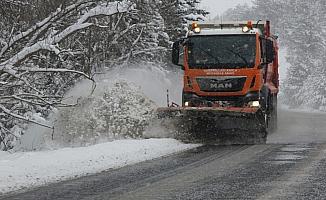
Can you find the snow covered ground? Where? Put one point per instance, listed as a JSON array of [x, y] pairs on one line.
[[22, 170]]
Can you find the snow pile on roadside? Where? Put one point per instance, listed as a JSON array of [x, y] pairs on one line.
[[22, 170], [4, 153], [120, 107], [122, 111]]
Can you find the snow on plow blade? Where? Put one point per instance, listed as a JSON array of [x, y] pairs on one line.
[[222, 126]]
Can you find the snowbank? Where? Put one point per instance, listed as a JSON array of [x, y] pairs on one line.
[[122, 111], [21, 170], [120, 107]]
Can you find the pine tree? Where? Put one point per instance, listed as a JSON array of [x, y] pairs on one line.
[[151, 40], [189, 11], [169, 11]]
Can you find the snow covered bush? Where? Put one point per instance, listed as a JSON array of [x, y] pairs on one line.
[[123, 111]]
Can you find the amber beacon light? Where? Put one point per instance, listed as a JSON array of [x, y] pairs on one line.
[[248, 27], [195, 27]]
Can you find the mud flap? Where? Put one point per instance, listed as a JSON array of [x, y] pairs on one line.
[[215, 126]]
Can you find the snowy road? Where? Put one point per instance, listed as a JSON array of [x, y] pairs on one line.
[[281, 169]]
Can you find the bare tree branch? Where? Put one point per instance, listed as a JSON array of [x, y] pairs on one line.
[[53, 70], [39, 27], [50, 42], [8, 112]]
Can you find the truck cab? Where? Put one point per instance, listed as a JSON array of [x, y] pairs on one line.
[[231, 64]]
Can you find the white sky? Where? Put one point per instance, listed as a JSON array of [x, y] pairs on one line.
[[216, 7]]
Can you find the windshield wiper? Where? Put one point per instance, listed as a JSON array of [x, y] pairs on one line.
[[239, 55]]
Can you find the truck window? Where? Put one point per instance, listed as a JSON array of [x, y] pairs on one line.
[[222, 51]]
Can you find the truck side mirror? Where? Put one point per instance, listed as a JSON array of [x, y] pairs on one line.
[[269, 51], [176, 54]]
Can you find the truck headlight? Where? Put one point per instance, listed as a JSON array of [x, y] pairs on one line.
[[197, 30], [187, 103], [245, 29], [254, 104]]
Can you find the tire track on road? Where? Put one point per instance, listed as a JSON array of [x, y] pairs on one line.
[[192, 176]]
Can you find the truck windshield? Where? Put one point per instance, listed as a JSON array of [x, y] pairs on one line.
[[222, 51]]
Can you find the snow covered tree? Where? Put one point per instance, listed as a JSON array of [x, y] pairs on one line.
[[150, 41], [189, 11], [33, 60], [305, 53], [176, 15], [47, 46], [172, 21]]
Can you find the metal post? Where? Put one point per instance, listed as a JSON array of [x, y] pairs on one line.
[[167, 97]]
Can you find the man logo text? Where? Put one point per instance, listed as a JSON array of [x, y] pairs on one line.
[[221, 85]]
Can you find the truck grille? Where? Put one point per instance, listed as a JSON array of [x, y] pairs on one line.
[[221, 84]]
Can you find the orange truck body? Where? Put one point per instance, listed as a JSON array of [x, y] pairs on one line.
[[255, 74], [261, 76]]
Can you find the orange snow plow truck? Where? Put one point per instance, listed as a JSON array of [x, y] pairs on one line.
[[231, 84]]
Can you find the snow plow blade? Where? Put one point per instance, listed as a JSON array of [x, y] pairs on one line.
[[222, 126]]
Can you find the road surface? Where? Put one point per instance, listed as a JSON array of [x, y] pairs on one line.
[[291, 166]]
